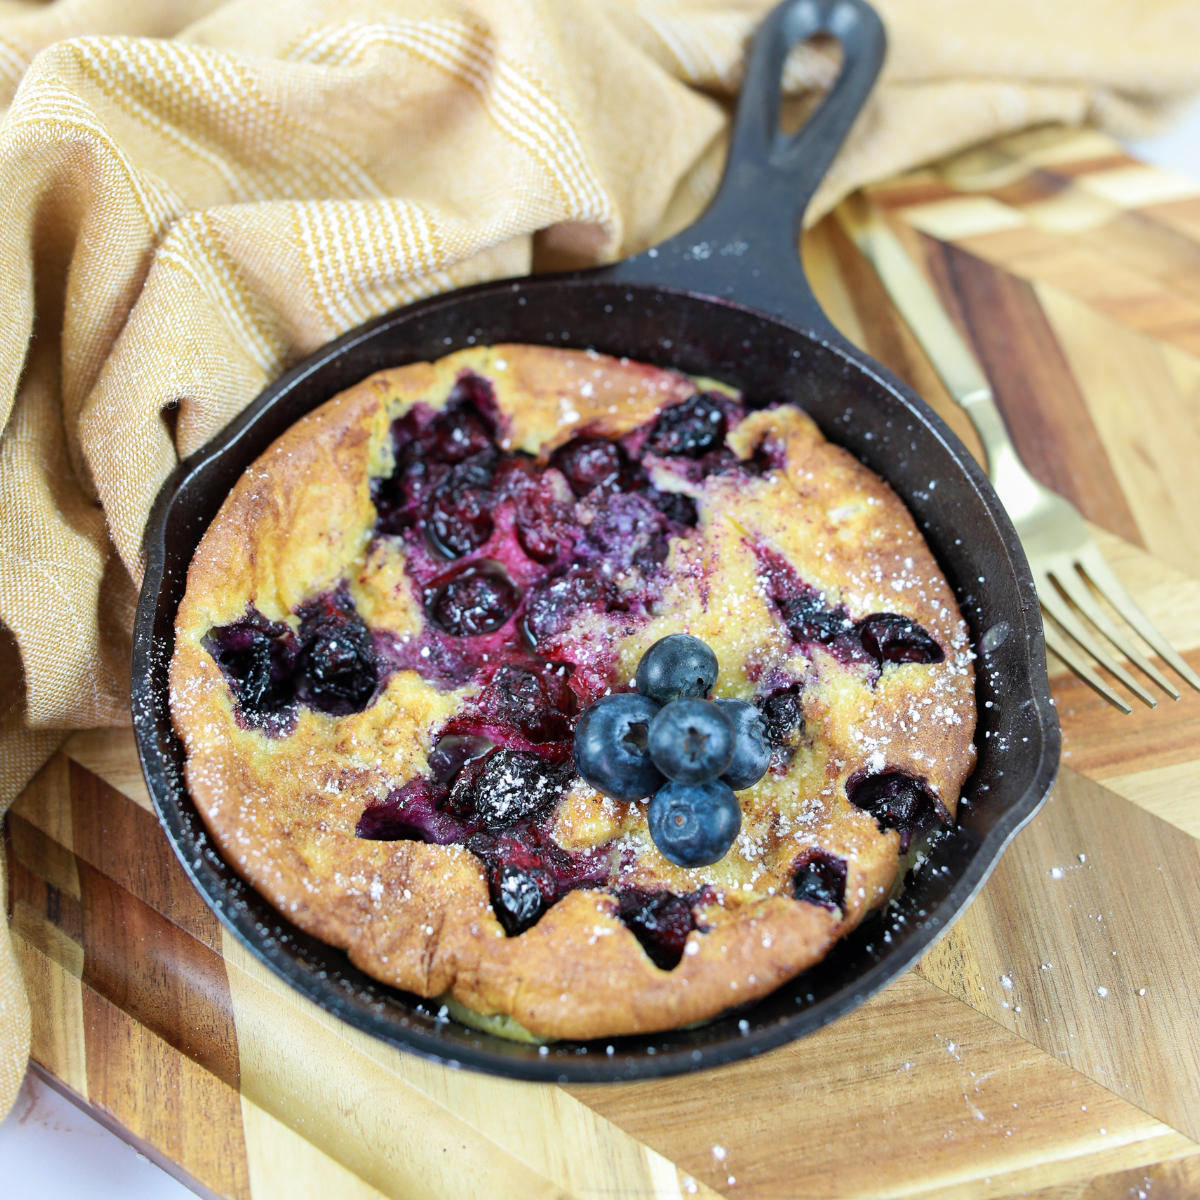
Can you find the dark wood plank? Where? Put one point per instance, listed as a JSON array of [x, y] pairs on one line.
[[1099, 741], [159, 975], [885, 336], [1033, 385], [124, 842], [1033, 188], [162, 1097]]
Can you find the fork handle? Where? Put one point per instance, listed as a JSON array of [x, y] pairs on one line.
[[924, 314]]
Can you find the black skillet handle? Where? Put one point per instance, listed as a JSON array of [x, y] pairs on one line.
[[746, 245]]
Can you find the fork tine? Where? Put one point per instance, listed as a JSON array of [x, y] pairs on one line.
[[1059, 644], [1081, 596], [1062, 612], [1111, 588]]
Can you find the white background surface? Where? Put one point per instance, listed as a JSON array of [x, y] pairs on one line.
[[51, 1150]]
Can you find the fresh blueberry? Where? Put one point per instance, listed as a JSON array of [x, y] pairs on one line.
[[694, 824], [692, 740], [751, 754], [610, 747], [677, 667]]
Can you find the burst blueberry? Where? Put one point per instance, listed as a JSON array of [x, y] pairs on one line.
[[751, 754], [611, 747], [692, 741], [677, 667], [693, 825]]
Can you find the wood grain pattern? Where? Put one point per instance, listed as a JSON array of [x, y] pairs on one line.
[[158, 975], [1136, 390], [1076, 273], [164, 1097], [850, 292], [298, 1063], [1101, 746], [1084, 943], [913, 1094], [122, 843]]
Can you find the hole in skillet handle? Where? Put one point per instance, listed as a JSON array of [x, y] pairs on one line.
[[746, 246], [189, 500]]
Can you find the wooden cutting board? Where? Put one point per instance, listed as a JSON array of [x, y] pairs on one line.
[[1049, 1046]]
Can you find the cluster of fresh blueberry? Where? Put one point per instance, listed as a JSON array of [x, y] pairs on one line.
[[670, 742]]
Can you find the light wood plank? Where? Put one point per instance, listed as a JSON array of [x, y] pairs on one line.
[[46, 802], [1176, 1179], [307, 1074], [1084, 943], [1171, 793], [914, 1094], [284, 1165], [56, 998], [526, 1138]]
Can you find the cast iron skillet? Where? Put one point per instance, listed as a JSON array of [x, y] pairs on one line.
[[726, 299]]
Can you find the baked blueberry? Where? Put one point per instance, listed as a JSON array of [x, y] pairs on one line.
[[517, 897], [336, 669], [751, 754], [504, 788], [896, 801], [536, 705], [820, 878], [611, 747], [661, 921], [675, 506], [783, 715], [590, 463], [690, 429], [459, 518], [677, 667], [692, 740], [471, 600], [257, 656], [450, 754], [693, 825], [889, 637], [554, 603], [626, 530]]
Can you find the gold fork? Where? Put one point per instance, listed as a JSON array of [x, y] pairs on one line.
[[1067, 565]]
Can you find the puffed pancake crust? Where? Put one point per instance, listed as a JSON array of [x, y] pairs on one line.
[[401, 608]]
